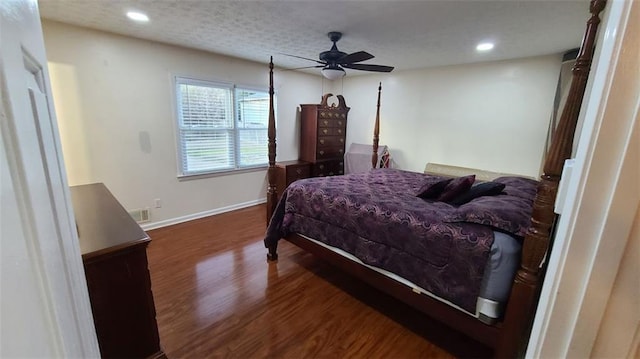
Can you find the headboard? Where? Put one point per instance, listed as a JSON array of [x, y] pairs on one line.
[[456, 171]]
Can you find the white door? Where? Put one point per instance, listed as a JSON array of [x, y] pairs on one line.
[[44, 306]]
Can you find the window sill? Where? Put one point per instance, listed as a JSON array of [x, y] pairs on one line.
[[182, 178]]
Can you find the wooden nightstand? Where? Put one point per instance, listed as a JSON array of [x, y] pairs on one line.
[[290, 171]]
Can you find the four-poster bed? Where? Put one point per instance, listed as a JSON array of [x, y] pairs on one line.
[[302, 205]]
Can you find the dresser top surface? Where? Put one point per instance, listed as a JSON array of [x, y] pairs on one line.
[[315, 106], [103, 225], [292, 163]]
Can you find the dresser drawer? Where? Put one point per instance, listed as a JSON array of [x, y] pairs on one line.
[[329, 152], [331, 141], [332, 113], [295, 173], [332, 122], [289, 172], [327, 168], [332, 131]]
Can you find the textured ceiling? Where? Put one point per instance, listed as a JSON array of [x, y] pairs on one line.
[[404, 34]]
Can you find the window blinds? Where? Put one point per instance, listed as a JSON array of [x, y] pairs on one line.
[[253, 115], [213, 137]]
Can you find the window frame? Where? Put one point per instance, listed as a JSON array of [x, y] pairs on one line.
[[178, 124]]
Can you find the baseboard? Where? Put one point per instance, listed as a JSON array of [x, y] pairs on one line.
[[191, 217]]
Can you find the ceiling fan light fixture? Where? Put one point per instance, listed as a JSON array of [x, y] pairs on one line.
[[333, 72], [484, 46], [138, 16]]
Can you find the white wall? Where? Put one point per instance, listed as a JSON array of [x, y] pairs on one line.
[[621, 321], [492, 116], [112, 93]]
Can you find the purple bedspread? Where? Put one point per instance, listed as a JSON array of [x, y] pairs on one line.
[[377, 217]]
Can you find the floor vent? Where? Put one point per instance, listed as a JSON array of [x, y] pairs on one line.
[[140, 215]]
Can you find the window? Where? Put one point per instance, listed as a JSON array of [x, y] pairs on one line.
[[221, 127]]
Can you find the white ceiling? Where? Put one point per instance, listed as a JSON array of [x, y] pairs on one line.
[[404, 34]]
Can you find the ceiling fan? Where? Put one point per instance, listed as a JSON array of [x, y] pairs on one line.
[[334, 61]]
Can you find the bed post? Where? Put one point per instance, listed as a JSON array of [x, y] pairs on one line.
[[524, 293], [272, 199], [376, 132], [271, 172]]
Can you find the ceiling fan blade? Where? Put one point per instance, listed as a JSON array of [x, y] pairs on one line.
[[355, 57], [304, 58], [366, 67], [305, 67]]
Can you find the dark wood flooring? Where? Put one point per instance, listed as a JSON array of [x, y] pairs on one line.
[[216, 296]]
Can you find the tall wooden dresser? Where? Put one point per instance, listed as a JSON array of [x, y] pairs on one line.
[[323, 131], [114, 253]]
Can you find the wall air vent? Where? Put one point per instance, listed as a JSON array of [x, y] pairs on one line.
[[140, 215]]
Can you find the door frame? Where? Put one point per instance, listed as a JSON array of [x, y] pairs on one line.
[[41, 260], [602, 197]]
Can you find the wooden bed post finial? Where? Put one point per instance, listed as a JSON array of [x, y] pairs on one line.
[[524, 293], [272, 198], [376, 132]]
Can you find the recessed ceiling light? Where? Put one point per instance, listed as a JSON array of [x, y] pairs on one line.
[[137, 16], [485, 46]]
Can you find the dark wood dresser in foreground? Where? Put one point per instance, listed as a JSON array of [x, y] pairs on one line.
[[114, 253]]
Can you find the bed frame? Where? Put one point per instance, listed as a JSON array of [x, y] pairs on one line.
[[509, 337]]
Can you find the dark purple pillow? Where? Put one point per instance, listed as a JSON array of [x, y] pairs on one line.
[[433, 187], [456, 187], [519, 186], [507, 213], [479, 190]]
